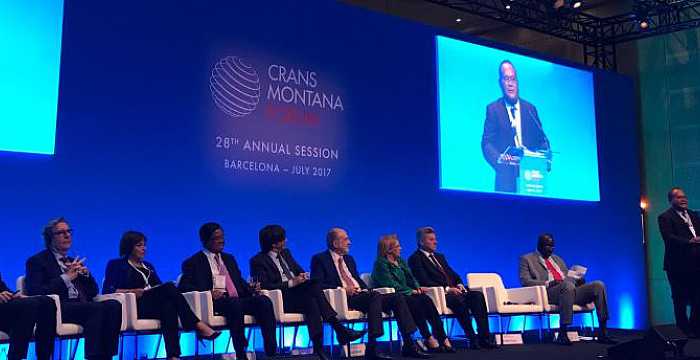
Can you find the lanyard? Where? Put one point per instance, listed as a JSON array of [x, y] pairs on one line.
[[145, 277]]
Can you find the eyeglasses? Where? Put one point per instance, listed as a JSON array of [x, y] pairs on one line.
[[512, 79], [63, 232]]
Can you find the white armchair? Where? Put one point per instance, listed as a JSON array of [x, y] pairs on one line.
[[62, 329], [506, 302], [4, 337], [367, 278]]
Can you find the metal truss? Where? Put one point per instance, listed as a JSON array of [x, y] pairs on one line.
[[598, 36]]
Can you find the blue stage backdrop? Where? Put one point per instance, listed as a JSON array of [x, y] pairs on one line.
[[309, 115]]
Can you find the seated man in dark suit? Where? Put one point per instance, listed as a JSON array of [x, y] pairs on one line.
[[680, 229], [335, 268], [18, 316], [214, 270], [543, 268], [275, 268], [431, 269], [52, 272]]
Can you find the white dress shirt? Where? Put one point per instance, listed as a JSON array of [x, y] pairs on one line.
[[211, 257], [337, 257]]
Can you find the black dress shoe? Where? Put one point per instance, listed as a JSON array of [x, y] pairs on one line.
[[412, 351], [348, 335], [607, 340], [474, 345], [562, 339], [372, 354]]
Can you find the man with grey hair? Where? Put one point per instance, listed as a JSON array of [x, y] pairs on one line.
[[334, 269], [432, 270], [543, 268], [52, 271]]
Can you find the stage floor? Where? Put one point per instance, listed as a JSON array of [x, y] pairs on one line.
[[583, 350]]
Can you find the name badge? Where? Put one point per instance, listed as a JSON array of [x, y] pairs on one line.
[[219, 282]]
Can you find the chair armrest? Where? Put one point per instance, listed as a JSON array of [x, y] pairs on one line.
[[384, 290], [194, 301], [277, 302], [59, 317], [122, 300], [437, 295], [525, 295], [489, 297]]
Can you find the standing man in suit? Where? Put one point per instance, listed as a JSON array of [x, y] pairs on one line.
[[680, 229], [52, 272], [275, 268], [431, 269], [18, 317], [335, 269], [214, 270], [543, 268], [510, 121]]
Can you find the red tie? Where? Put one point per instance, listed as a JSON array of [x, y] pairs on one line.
[[555, 274]]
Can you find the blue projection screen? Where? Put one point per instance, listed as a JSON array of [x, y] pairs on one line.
[[528, 130], [30, 41]]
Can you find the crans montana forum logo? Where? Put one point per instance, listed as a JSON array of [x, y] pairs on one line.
[[235, 87]]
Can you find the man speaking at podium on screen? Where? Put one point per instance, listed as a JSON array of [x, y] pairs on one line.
[[512, 126]]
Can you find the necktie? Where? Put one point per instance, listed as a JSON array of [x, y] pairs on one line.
[[347, 279], [230, 287], [442, 270], [555, 274], [285, 268]]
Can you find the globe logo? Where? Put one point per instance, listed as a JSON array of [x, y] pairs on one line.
[[235, 87]]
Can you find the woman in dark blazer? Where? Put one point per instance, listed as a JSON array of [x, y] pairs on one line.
[[155, 299], [390, 270]]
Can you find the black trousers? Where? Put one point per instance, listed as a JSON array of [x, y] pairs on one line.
[[308, 298], [471, 302], [101, 322], [373, 304], [235, 309], [18, 318], [424, 312], [167, 304], [685, 291]]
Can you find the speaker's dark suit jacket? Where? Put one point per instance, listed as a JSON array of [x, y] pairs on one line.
[[498, 135], [680, 256], [323, 270], [262, 266], [428, 274]]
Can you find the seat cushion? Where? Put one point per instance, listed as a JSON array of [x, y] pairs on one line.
[[519, 309], [291, 318], [146, 324], [3, 336], [66, 329]]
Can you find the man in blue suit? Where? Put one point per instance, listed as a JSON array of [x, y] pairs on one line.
[[510, 121], [334, 268]]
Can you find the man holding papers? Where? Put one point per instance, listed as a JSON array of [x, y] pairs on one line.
[[564, 287]]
